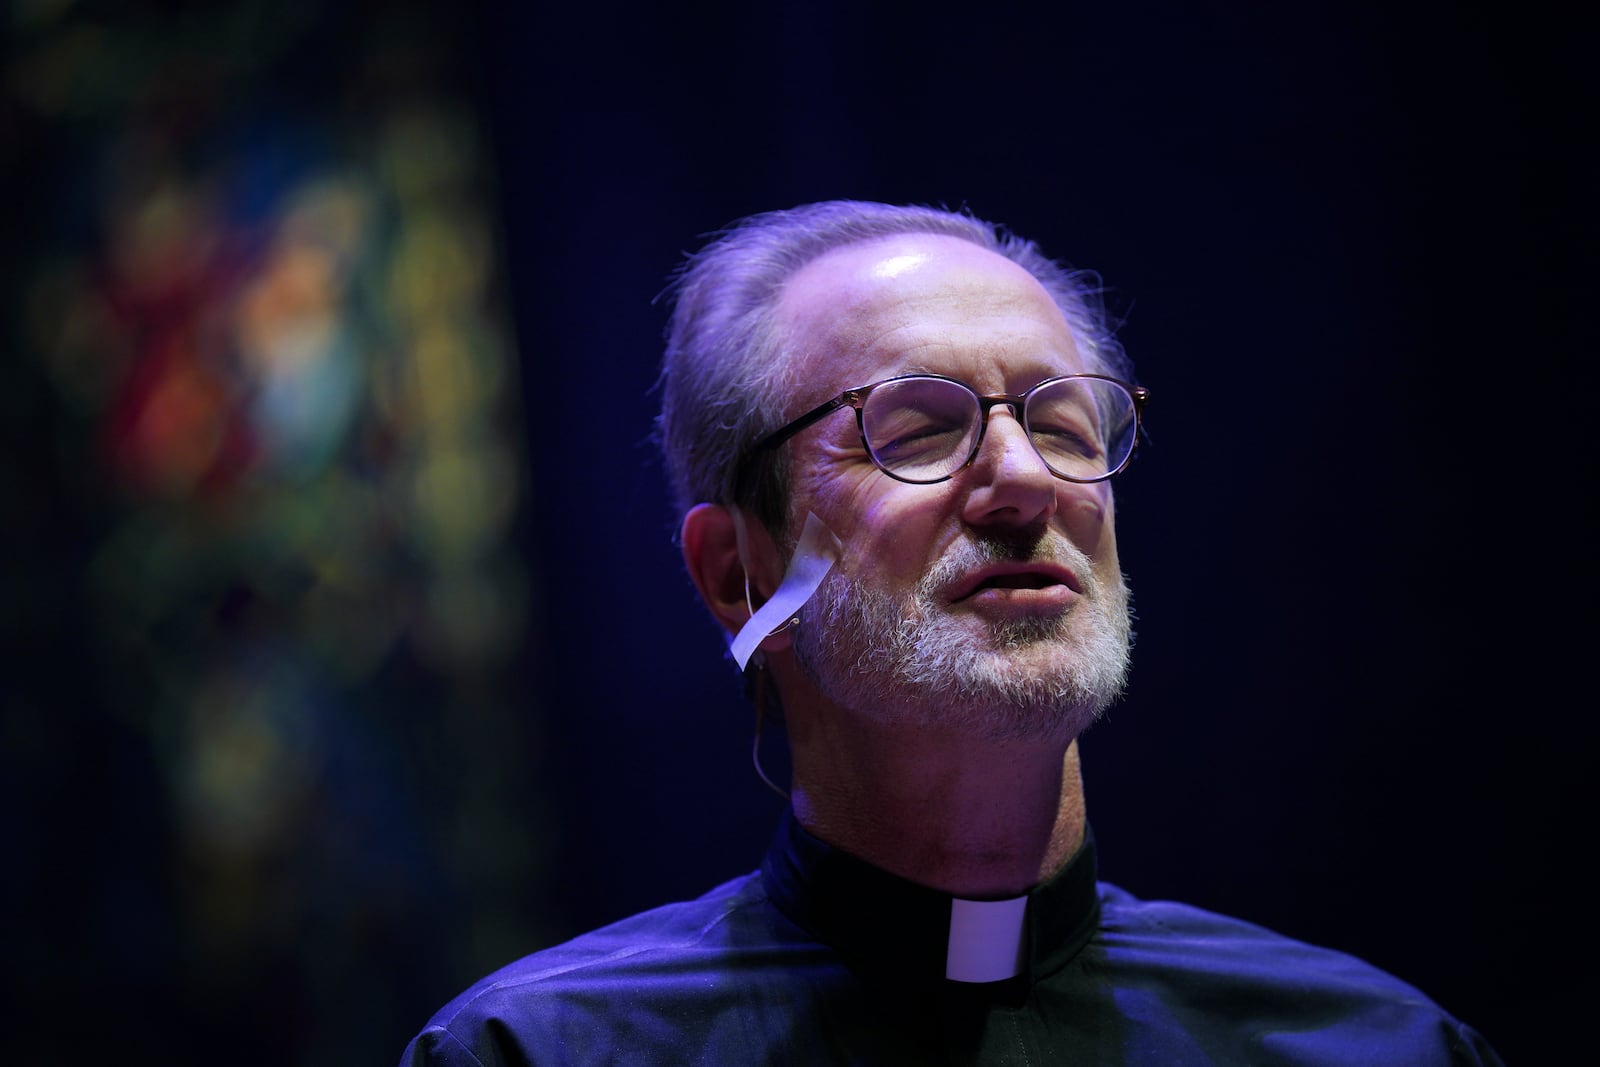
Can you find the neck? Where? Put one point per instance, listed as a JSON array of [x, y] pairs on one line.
[[975, 819]]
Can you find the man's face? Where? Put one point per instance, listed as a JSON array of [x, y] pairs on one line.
[[990, 605]]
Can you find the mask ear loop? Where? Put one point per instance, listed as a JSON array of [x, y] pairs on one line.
[[760, 690], [757, 682], [741, 537], [813, 558]]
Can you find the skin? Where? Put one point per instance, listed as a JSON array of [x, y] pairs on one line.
[[943, 806]]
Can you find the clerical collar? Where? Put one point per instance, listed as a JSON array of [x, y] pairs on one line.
[[987, 940], [884, 926]]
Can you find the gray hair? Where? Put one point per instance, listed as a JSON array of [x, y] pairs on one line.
[[725, 379]]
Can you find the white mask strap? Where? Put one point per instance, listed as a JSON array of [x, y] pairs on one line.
[[814, 557]]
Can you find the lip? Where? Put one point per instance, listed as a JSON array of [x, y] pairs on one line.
[[1024, 580]]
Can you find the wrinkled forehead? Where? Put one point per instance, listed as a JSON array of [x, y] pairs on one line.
[[919, 302]]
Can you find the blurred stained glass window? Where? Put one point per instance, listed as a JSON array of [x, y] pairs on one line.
[[265, 455]]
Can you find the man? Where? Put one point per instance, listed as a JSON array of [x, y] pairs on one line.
[[928, 589]]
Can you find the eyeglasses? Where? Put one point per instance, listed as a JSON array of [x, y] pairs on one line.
[[924, 428]]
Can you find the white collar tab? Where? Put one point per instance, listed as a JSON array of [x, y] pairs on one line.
[[986, 939]]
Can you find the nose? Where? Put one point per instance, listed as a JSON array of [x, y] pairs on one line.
[[1009, 482]]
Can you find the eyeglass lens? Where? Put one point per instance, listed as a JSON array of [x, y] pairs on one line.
[[925, 429]]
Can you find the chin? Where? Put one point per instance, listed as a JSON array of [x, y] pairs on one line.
[[1039, 694], [1028, 678], [1000, 724]]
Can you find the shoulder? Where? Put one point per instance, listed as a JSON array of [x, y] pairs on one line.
[[549, 1006], [1200, 964], [1165, 933]]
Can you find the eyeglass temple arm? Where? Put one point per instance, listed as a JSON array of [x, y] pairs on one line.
[[1140, 395], [778, 437]]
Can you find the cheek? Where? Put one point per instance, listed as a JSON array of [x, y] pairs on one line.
[[1086, 513], [885, 534], [889, 541]]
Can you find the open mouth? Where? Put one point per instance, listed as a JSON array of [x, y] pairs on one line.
[[1017, 577], [1017, 581]]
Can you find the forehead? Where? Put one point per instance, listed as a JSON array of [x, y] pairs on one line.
[[921, 302]]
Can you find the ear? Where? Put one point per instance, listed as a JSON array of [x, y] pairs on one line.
[[710, 539]]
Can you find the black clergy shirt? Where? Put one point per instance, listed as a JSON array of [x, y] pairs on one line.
[[821, 958]]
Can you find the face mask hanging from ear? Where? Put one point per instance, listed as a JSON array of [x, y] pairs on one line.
[[814, 557]]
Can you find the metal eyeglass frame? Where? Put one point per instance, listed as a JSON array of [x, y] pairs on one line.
[[1018, 402]]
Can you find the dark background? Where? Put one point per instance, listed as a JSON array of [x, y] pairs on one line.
[[1353, 251]]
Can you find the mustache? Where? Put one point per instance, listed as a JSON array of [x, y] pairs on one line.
[[1020, 546]]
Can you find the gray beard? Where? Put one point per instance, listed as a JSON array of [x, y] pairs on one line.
[[908, 661]]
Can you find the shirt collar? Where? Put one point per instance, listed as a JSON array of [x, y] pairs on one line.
[[886, 927]]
